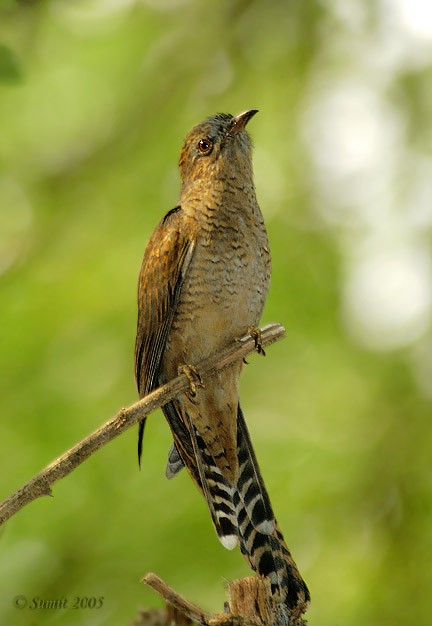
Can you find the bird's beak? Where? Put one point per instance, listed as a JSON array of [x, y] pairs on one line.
[[239, 121]]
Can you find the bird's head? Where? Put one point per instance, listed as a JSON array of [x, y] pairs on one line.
[[218, 149]]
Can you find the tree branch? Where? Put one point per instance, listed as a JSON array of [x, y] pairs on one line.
[[250, 603], [192, 611], [40, 485]]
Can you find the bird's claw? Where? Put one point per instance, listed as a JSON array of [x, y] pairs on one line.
[[255, 333], [194, 379]]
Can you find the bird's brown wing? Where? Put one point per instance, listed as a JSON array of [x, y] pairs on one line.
[[163, 271]]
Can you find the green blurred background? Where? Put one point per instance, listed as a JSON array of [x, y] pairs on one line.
[[95, 99]]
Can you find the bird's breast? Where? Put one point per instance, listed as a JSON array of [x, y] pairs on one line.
[[225, 289]]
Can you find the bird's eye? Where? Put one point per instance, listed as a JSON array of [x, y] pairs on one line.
[[205, 146]]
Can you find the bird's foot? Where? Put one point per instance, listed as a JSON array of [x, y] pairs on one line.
[[255, 333], [194, 379]]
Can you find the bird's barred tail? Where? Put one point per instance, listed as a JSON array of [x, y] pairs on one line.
[[242, 514], [261, 543]]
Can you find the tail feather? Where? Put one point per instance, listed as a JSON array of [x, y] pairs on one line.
[[174, 462], [218, 493], [250, 485], [261, 540], [242, 513], [269, 556]]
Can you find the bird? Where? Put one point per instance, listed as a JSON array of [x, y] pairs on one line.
[[204, 281]]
